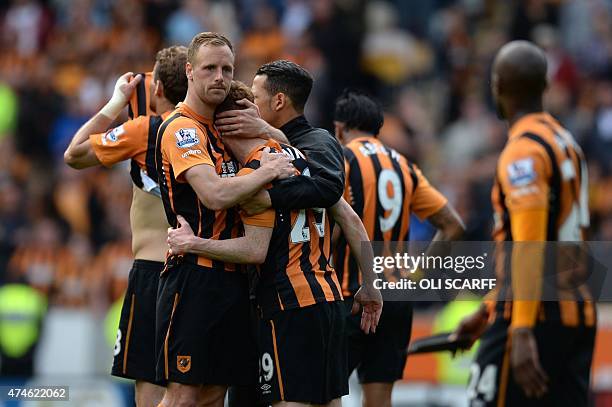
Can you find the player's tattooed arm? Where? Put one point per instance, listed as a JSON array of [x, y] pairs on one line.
[[221, 193], [80, 153], [251, 248], [448, 223], [247, 123], [367, 296]]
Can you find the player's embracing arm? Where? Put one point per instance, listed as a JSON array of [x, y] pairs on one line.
[[325, 185], [248, 249], [185, 148], [252, 248], [325, 160], [88, 146], [222, 193]]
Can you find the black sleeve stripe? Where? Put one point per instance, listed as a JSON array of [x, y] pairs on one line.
[[159, 165], [379, 212], [555, 186], [356, 183], [415, 179], [154, 124], [141, 95], [553, 312], [135, 174], [397, 228]]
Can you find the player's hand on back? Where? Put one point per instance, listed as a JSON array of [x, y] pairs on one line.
[[525, 361], [279, 164], [180, 239], [370, 299], [242, 123], [125, 86]]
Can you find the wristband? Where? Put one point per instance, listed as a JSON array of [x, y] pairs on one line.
[[114, 106]]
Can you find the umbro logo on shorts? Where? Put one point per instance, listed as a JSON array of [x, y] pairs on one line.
[[266, 389], [183, 363]]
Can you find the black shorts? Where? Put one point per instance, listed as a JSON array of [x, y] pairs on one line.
[[204, 334], [380, 357], [248, 396], [303, 355], [565, 355], [134, 353]]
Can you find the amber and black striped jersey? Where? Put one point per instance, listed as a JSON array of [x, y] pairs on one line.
[[140, 102], [134, 139], [542, 172], [383, 188], [185, 140], [297, 271]]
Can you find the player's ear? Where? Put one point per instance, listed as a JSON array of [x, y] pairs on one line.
[[279, 101], [159, 88], [339, 130], [189, 71]]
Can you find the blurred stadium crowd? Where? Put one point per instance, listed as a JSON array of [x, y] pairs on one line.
[[67, 232]]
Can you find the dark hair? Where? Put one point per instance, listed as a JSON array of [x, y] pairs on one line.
[[208, 38], [358, 111], [289, 78], [238, 91], [170, 71]]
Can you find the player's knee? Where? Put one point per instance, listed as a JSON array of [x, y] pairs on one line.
[[334, 403], [377, 394], [148, 394], [377, 401], [212, 396], [178, 395]]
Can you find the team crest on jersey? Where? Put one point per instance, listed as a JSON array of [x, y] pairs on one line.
[[183, 363], [186, 138], [113, 135], [521, 172]]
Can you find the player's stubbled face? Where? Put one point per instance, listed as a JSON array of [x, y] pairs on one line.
[[262, 98], [213, 71]]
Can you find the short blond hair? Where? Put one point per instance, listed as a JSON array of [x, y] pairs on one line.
[[206, 38]]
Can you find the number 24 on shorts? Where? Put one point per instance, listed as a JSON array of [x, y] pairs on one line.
[[484, 384]]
